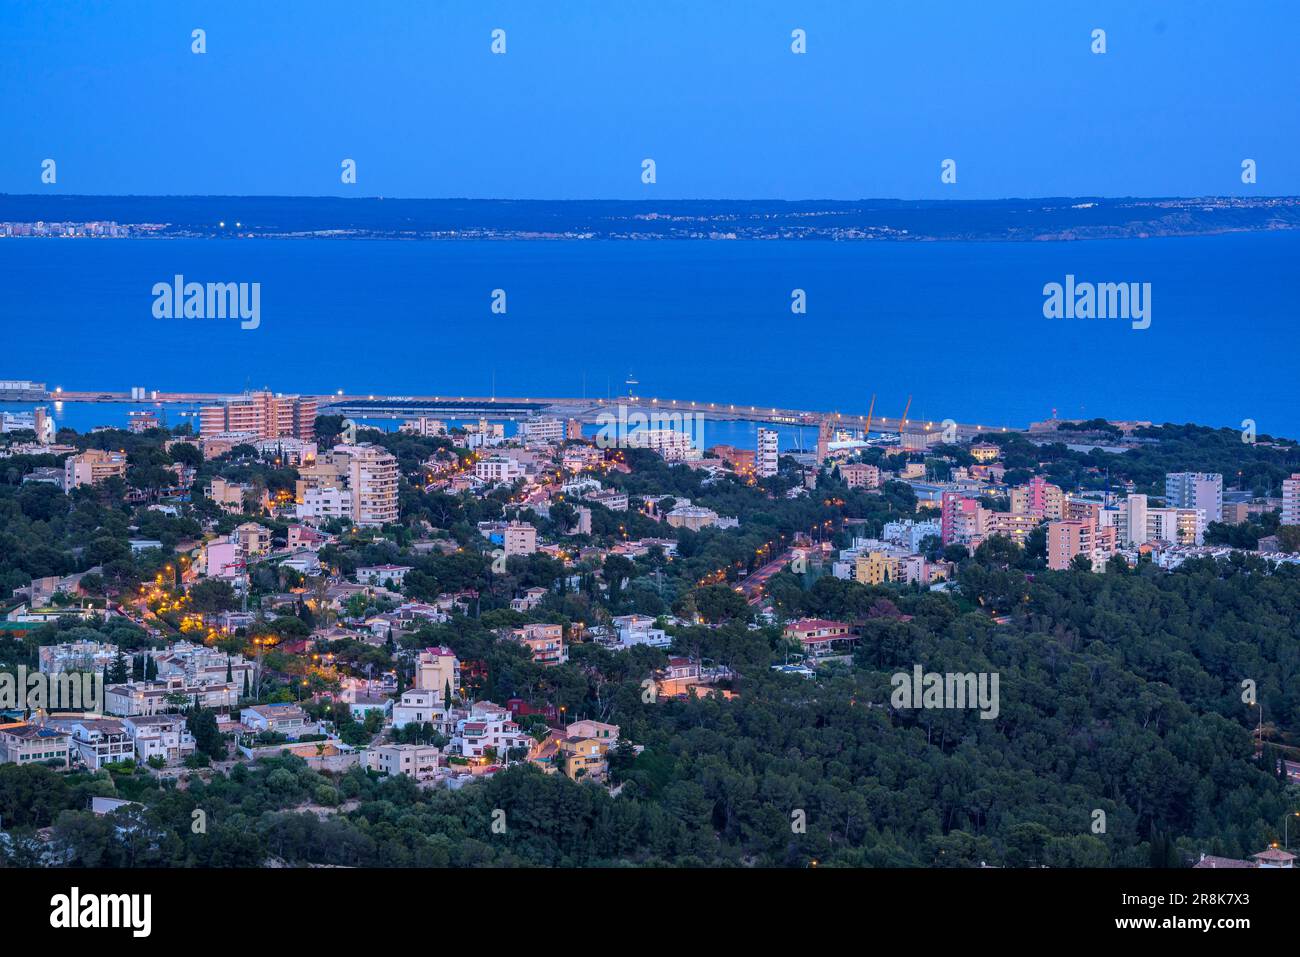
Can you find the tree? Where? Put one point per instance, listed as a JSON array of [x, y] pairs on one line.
[[1288, 537], [212, 595], [208, 740], [118, 673]]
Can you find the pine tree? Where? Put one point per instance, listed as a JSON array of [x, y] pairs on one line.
[[119, 673]]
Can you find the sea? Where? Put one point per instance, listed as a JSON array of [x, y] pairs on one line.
[[945, 329]]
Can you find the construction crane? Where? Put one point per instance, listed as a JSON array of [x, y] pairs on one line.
[[866, 432], [903, 421]]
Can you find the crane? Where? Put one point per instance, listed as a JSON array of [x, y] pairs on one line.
[[866, 433], [903, 421]]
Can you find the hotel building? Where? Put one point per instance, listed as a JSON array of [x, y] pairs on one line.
[[264, 414]]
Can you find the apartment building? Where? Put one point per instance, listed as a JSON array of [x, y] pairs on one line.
[[417, 761], [671, 444], [436, 669], [230, 496], [201, 665], [324, 504], [1291, 500], [92, 467], [424, 425], [1038, 498], [909, 534], [878, 567], [612, 499], [766, 453], [263, 414], [251, 539], [1182, 526], [499, 468], [541, 431], [519, 538], [90, 656], [143, 698], [1066, 539], [1014, 526], [1196, 490], [372, 480], [860, 475], [159, 735], [958, 519], [545, 642]]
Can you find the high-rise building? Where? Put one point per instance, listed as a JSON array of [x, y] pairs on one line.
[[1203, 490], [1291, 500], [263, 414], [958, 519], [767, 454], [1135, 524], [372, 480]]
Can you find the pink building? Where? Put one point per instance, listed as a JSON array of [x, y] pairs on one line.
[[958, 519]]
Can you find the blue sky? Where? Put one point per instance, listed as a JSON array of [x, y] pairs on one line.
[[707, 88]]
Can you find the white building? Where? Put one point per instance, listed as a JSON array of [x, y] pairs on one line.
[[499, 468], [540, 431], [766, 453], [159, 735], [1203, 490], [417, 761], [488, 726], [909, 533], [673, 445], [418, 706], [640, 630], [382, 574], [321, 504]]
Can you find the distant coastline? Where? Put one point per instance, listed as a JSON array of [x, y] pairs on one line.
[[271, 217]]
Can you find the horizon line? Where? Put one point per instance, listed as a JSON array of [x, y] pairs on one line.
[[669, 199]]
